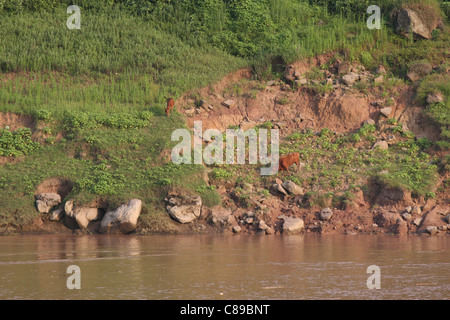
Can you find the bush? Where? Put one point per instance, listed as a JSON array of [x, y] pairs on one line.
[[16, 143]]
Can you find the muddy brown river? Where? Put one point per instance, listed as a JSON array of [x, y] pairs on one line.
[[224, 267]]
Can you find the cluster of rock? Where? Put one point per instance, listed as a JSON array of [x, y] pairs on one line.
[[341, 75], [412, 219], [287, 188], [123, 219]]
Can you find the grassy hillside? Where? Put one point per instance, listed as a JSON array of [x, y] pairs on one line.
[[97, 94]]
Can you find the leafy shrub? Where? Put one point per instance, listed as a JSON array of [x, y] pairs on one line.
[[16, 143], [101, 181], [42, 114], [221, 173]]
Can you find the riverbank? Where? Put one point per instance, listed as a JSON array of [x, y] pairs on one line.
[[87, 148]]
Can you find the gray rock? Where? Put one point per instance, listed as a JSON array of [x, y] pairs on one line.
[[81, 215], [419, 70], [46, 201], [406, 216], [292, 188], [184, 209], [249, 214], [382, 145], [416, 210], [378, 79], [435, 97], [237, 229], [350, 78], [417, 221], [221, 216], [293, 225], [84, 215], [278, 188], [431, 230], [447, 218], [409, 21], [262, 225], [386, 111], [325, 214], [229, 103], [123, 219], [57, 214]]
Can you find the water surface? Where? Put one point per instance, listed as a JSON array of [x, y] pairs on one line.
[[224, 267]]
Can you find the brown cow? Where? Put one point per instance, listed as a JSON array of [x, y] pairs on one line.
[[287, 161], [170, 104]]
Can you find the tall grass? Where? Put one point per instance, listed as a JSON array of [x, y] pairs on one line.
[[114, 58]]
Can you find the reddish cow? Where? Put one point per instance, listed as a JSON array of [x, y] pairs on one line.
[[287, 161], [170, 104]]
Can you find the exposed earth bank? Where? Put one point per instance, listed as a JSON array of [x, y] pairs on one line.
[[298, 102]]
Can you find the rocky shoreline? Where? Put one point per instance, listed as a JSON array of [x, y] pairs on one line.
[[279, 214]]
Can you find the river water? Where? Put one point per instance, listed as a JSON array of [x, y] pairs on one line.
[[224, 267]]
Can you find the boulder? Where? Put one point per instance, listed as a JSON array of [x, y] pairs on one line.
[[432, 230], [387, 219], [221, 216], [416, 210], [435, 217], [418, 70], [292, 188], [237, 229], [417, 222], [419, 23], [184, 209], [401, 227], [406, 216], [57, 214], [84, 215], [391, 196], [344, 68], [447, 218], [229, 103], [386, 111], [262, 225], [435, 97], [46, 201], [277, 188], [293, 225], [350, 78], [379, 79], [325, 214], [381, 145], [123, 219], [80, 215]]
